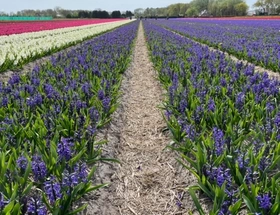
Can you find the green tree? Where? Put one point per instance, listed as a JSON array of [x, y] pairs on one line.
[[128, 13], [184, 8], [213, 7], [174, 10], [200, 5], [273, 6], [147, 12], [191, 12], [241, 9], [138, 12], [116, 14], [261, 4]]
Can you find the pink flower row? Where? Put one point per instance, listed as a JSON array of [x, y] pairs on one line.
[[8, 28]]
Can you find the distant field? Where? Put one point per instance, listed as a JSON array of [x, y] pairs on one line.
[[243, 17]]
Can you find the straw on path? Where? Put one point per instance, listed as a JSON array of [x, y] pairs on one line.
[[149, 180]]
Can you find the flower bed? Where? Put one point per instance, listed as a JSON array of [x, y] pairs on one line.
[[254, 40], [8, 28], [225, 120], [49, 119]]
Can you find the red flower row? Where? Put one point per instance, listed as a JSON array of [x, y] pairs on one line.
[[8, 28]]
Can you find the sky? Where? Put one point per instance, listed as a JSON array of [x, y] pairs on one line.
[[109, 5]]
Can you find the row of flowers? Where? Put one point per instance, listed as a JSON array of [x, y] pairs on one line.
[[254, 40], [49, 119], [19, 49], [225, 120], [8, 28]]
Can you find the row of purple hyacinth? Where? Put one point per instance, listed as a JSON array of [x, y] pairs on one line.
[[49, 119], [224, 118], [254, 40]]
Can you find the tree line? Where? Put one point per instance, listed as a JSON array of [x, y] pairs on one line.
[[268, 7], [59, 12], [197, 8], [100, 14]]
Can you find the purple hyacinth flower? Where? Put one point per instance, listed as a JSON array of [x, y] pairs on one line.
[[242, 161], [168, 114], [93, 114], [264, 164], [240, 100], [53, 190], [70, 179], [219, 141], [35, 81], [101, 95], [39, 168], [36, 206], [29, 89], [15, 79], [86, 88], [5, 101], [211, 105], [277, 120], [81, 172], [22, 163], [38, 99], [106, 104], [264, 201], [2, 201], [183, 106], [225, 208], [64, 149]]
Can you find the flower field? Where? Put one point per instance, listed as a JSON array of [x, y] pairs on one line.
[[18, 49], [248, 18], [224, 118], [8, 28], [254, 40], [49, 119]]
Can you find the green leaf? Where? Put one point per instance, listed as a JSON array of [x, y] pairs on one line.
[[110, 160], [196, 202], [93, 188], [90, 175], [208, 192], [189, 168], [249, 204], [275, 162], [275, 209], [78, 210], [75, 159], [234, 209], [8, 208], [27, 189]]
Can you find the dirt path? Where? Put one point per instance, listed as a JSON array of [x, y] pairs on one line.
[[149, 181]]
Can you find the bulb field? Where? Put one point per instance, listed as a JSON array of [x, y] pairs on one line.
[[17, 49], [220, 117], [224, 120], [254, 40], [49, 119]]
